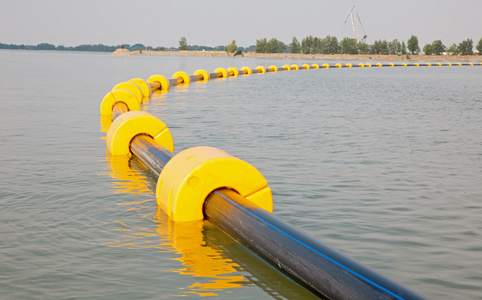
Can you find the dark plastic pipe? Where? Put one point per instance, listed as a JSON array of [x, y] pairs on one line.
[[317, 267], [118, 109], [196, 77], [175, 81], [154, 85], [149, 152], [320, 269], [215, 75]]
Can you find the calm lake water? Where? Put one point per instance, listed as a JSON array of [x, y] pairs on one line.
[[382, 164]]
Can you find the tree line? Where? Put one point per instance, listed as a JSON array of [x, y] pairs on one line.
[[308, 45], [94, 48], [105, 48], [331, 45], [231, 48], [464, 48]]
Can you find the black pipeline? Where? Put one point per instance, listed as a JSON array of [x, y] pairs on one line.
[[318, 268]]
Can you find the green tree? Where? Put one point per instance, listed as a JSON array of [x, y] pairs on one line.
[[271, 46], [379, 47], [383, 47], [403, 48], [348, 46], [428, 49], [261, 46], [251, 48], [454, 49], [316, 46], [413, 45], [45, 46], [231, 48], [479, 46], [466, 47], [138, 47], [330, 45], [275, 46], [438, 47], [307, 44], [183, 43], [295, 46], [363, 48], [394, 47]]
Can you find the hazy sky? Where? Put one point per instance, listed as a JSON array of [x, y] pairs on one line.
[[218, 22]]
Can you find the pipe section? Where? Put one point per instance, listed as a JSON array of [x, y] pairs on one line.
[[317, 267], [149, 152], [118, 109]]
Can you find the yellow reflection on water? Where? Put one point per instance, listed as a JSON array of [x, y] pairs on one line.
[[105, 122], [158, 94], [127, 179], [210, 269], [197, 258]]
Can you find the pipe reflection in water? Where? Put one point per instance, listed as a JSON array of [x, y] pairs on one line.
[[255, 270], [127, 179], [158, 95], [105, 122], [198, 259], [212, 259]]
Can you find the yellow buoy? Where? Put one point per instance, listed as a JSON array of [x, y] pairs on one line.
[[183, 75], [247, 70], [224, 73], [145, 89], [261, 69], [233, 71], [205, 74], [131, 87], [163, 81], [191, 175], [132, 123], [116, 96]]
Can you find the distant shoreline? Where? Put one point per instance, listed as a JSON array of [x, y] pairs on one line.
[[419, 57]]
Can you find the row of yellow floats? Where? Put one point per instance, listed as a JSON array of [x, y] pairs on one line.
[[137, 91]]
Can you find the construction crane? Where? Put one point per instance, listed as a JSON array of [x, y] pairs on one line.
[[350, 14]]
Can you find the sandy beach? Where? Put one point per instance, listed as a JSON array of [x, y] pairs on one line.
[[365, 57]]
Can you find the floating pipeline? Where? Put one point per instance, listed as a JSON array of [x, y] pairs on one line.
[[208, 183], [190, 188], [137, 91]]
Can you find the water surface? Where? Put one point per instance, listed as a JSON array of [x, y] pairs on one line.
[[382, 164]]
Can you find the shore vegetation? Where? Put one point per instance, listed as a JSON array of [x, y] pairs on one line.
[[308, 45]]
